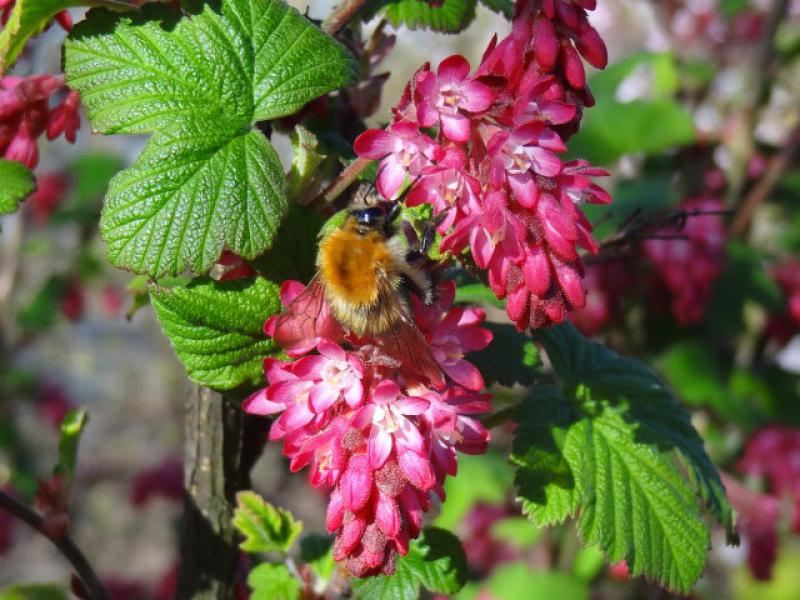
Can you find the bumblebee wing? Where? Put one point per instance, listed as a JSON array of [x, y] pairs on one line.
[[406, 343], [306, 318]]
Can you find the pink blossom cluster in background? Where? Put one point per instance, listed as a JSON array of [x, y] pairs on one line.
[[773, 456], [483, 549], [26, 114], [376, 433], [785, 325], [691, 260], [492, 172], [606, 285]]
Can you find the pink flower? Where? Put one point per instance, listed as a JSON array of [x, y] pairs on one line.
[[521, 153], [448, 187], [402, 150], [444, 97], [380, 437], [50, 191], [452, 334], [689, 264], [25, 115]]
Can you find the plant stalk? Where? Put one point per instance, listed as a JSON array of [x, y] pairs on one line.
[[222, 444], [341, 15], [65, 544]]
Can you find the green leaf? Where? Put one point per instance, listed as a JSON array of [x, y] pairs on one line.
[[266, 528], [310, 167], [206, 180], [273, 582], [71, 430], [478, 293], [18, 182], [510, 359], [484, 478], [42, 311], [294, 253], [216, 328], [30, 17], [614, 128], [695, 373], [503, 7], [317, 552], [34, 591], [435, 561], [451, 16], [515, 581], [613, 442], [517, 530]]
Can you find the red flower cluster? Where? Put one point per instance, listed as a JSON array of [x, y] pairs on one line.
[[50, 191], [690, 262], [492, 172], [785, 325], [376, 434], [164, 480], [773, 454], [26, 114], [606, 285]]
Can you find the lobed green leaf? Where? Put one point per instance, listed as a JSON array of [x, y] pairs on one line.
[[613, 442], [266, 528], [18, 183], [435, 561], [273, 582], [207, 180], [216, 329], [451, 16]]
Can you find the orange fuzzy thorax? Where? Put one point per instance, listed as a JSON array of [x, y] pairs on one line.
[[349, 264]]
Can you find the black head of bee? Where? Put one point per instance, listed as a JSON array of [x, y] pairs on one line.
[[381, 216]]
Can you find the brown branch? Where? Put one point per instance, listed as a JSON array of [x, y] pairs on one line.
[[760, 192], [341, 15], [222, 444], [341, 183], [65, 545], [756, 89]]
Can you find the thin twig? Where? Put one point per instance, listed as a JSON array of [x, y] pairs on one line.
[[65, 545], [341, 15], [761, 191], [342, 182]]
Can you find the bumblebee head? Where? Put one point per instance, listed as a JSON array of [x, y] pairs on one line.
[[375, 218]]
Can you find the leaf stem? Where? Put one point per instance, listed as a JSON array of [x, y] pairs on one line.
[[65, 545], [341, 15]]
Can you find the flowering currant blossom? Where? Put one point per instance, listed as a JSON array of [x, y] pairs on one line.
[[25, 115], [690, 263], [784, 325], [371, 430], [491, 169]]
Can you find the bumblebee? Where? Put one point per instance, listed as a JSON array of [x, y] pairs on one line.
[[364, 267]]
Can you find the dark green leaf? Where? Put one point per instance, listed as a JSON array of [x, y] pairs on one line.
[[216, 328], [511, 358], [503, 7], [18, 182], [42, 311], [273, 582], [206, 180], [451, 16], [613, 442], [435, 561], [294, 253], [317, 552]]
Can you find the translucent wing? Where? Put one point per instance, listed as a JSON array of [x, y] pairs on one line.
[[405, 342], [305, 320]]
